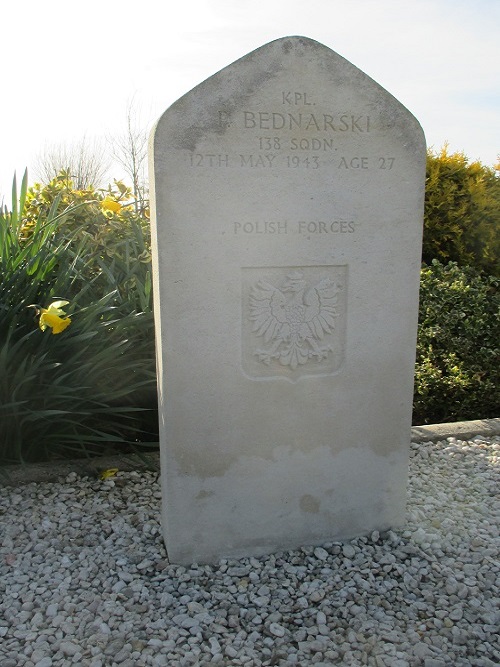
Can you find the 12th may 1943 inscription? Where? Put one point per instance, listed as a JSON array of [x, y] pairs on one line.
[[272, 160], [294, 135]]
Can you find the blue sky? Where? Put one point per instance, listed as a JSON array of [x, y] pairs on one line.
[[68, 70]]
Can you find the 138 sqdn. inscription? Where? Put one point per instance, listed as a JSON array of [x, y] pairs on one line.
[[287, 196]]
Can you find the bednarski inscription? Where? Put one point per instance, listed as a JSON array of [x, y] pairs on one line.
[[287, 197]]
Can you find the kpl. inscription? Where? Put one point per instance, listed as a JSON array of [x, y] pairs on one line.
[[295, 98]]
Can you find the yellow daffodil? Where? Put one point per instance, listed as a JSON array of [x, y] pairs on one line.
[[56, 323], [109, 204], [53, 317], [106, 474]]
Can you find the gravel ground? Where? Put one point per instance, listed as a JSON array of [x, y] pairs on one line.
[[85, 580]]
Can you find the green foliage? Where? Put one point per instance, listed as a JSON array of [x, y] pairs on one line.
[[93, 385], [457, 374], [457, 369], [116, 243], [462, 212]]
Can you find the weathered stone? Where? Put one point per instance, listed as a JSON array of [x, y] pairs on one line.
[[287, 220]]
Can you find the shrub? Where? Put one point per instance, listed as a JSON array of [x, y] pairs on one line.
[[90, 386], [457, 375], [462, 212], [115, 239]]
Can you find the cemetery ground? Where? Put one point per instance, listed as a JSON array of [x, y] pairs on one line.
[[284, 430], [85, 578]]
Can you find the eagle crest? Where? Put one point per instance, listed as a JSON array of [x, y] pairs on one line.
[[293, 319]]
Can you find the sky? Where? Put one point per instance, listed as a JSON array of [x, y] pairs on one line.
[[70, 70]]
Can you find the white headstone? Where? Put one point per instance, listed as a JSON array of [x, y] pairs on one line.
[[287, 218]]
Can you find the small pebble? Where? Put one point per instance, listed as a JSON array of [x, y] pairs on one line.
[[44, 662], [83, 582], [348, 550], [321, 553], [277, 630]]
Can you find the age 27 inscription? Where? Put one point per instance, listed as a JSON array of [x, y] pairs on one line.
[[272, 160]]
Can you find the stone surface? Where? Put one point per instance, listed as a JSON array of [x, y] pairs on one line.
[[382, 605], [287, 219]]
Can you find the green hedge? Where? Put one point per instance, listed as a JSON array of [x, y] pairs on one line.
[[457, 374]]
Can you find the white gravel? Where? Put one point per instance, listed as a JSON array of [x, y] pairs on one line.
[[85, 580]]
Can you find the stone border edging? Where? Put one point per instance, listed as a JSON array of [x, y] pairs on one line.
[[55, 470], [460, 430]]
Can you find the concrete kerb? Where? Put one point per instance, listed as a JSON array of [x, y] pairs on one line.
[[55, 471], [459, 430]]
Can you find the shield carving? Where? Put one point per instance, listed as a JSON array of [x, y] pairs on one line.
[[293, 321]]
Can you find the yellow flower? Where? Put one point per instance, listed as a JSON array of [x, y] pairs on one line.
[[109, 204], [106, 474], [51, 317], [56, 323]]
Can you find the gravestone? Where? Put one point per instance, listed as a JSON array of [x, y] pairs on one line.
[[287, 196]]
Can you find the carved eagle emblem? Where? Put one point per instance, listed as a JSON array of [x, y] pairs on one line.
[[293, 319]]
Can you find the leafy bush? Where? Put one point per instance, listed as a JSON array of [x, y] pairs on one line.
[[115, 239], [90, 386], [462, 212], [93, 386], [457, 369]]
